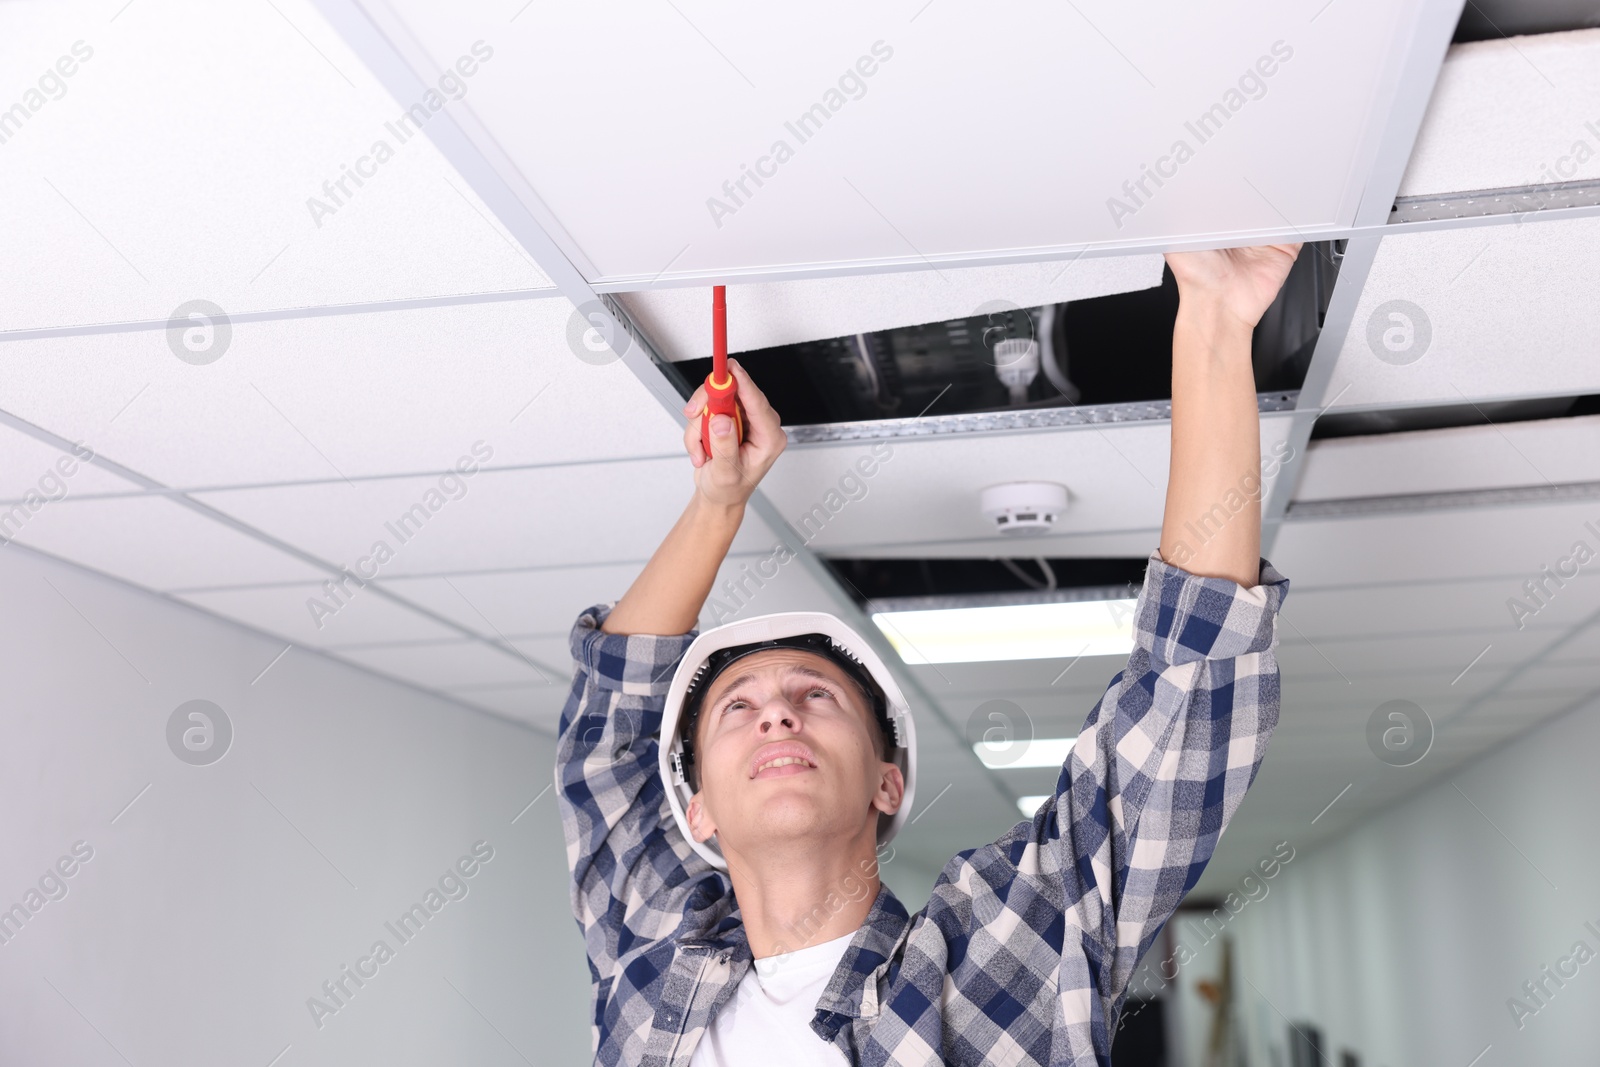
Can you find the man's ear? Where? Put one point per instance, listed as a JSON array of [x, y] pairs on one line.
[[891, 789], [701, 825]]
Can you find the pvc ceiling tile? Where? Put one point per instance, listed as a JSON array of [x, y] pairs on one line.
[[766, 314], [452, 664], [1515, 111], [342, 397], [1539, 452], [852, 116], [319, 617], [28, 466], [154, 542], [923, 492], [1488, 312], [1451, 544], [237, 154], [495, 520]]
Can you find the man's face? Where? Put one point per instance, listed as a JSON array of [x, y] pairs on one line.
[[787, 752]]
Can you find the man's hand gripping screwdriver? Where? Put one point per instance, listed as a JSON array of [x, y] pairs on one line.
[[722, 392]]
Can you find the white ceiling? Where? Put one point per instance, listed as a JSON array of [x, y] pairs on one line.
[[213, 125], [247, 482], [709, 90]]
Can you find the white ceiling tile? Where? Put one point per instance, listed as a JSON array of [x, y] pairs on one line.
[[1464, 457], [1329, 611], [552, 652], [766, 314], [497, 520], [28, 466], [537, 705], [213, 126], [1511, 112], [1442, 544], [1496, 311], [925, 491], [1583, 648], [453, 664], [892, 176], [513, 603], [1448, 654], [346, 396], [315, 616], [154, 542]]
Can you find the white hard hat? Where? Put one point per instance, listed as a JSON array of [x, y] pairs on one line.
[[783, 630]]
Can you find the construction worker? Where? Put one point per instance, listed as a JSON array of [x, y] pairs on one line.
[[725, 795]]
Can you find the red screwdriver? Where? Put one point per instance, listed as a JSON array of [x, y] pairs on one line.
[[721, 390]]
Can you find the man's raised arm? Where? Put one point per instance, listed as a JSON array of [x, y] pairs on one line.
[[630, 865], [1216, 426]]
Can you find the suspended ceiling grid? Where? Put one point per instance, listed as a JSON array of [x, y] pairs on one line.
[[312, 432]]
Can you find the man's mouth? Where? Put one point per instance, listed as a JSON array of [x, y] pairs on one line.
[[783, 758]]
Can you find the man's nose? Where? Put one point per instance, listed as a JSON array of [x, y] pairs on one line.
[[778, 711]]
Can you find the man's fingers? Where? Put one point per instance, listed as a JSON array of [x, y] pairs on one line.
[[696, 401], [691, 440], [762, 422]]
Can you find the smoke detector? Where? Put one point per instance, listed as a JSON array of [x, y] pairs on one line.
[[1020, 509]]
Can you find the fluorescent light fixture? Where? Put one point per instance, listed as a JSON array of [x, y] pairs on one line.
[[1011, 631], [1029, 806], [1040, 752]]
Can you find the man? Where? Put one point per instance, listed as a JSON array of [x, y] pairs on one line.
[[727, 884]]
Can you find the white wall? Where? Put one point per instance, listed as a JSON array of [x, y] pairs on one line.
[[1404, 939], [219, 902]]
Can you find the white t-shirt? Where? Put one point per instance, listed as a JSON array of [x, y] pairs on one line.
[[768, 1021]]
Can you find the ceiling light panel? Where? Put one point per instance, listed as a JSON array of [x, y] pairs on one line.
[[768, 314], [893, 98], [154, 542], [186, 156], [1456, 459], [347, 396], [922, 496], [1010, 631], [1459, 315], [1511, 112]]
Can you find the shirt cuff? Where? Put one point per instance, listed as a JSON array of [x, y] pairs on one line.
[[1183, 617], [635, 664]]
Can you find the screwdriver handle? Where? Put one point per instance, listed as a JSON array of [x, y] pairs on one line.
[[722, 391]]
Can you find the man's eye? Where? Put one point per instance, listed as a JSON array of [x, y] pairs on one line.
[[826, 694], [735, 705]]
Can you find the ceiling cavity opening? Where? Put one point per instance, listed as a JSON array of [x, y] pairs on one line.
[[1446, 416], [910, 584], [1029, 363]]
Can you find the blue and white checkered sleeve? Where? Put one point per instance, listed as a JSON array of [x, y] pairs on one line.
[[629, 862], [1161, 765]]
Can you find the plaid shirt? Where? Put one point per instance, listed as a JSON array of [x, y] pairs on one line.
[[1024, 951]]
